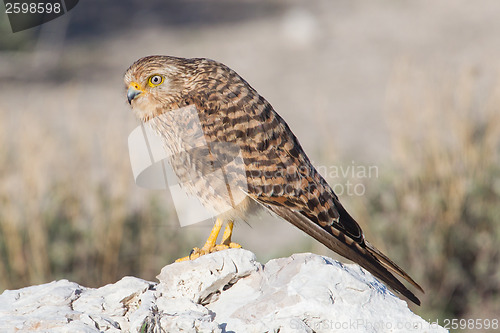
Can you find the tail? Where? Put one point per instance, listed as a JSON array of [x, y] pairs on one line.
[[362, 253], [384, 273], [391, 266], [375, 261]]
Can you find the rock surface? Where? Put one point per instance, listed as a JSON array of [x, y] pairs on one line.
[[227, 291]]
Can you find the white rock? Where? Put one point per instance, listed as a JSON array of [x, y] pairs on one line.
[[227, 291], [202, 280]]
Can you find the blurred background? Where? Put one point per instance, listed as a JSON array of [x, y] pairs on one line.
[[407, 89]]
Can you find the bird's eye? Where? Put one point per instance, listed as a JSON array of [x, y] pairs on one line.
[[155, 80]]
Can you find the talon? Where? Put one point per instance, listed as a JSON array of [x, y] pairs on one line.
[[210, 245], [234, 245], [183, 259], [219, 247]]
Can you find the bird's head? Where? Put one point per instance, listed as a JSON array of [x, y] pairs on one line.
[[156, 84]]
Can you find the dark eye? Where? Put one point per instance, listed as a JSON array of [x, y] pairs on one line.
[[155, 80]]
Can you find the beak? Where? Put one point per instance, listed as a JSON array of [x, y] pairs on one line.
[[133, 91]]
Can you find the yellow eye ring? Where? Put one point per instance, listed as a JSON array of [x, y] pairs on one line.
[[155, 80]]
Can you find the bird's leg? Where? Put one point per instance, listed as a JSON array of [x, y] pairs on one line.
[[228, 232], [210, 243], [210, 246], [226, 237]]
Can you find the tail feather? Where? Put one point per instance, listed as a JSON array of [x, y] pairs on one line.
[[365, 254], [391, 266]]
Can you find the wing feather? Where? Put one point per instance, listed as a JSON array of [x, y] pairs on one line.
[[367, 257]]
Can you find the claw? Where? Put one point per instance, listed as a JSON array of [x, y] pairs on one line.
[[210, 245]]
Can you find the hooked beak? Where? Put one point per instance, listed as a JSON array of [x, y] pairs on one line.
[[133, 91]]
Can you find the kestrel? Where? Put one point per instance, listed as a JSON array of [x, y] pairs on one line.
[[261, 157]]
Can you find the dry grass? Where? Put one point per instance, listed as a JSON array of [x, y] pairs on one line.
[[69, 207], [439, 201]]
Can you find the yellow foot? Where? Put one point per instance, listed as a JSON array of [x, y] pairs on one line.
[[210, 245], [197, 252]]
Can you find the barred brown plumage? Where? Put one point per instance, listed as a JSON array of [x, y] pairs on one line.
[[272, 172]]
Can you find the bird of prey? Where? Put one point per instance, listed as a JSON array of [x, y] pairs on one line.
[[261, 157]]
